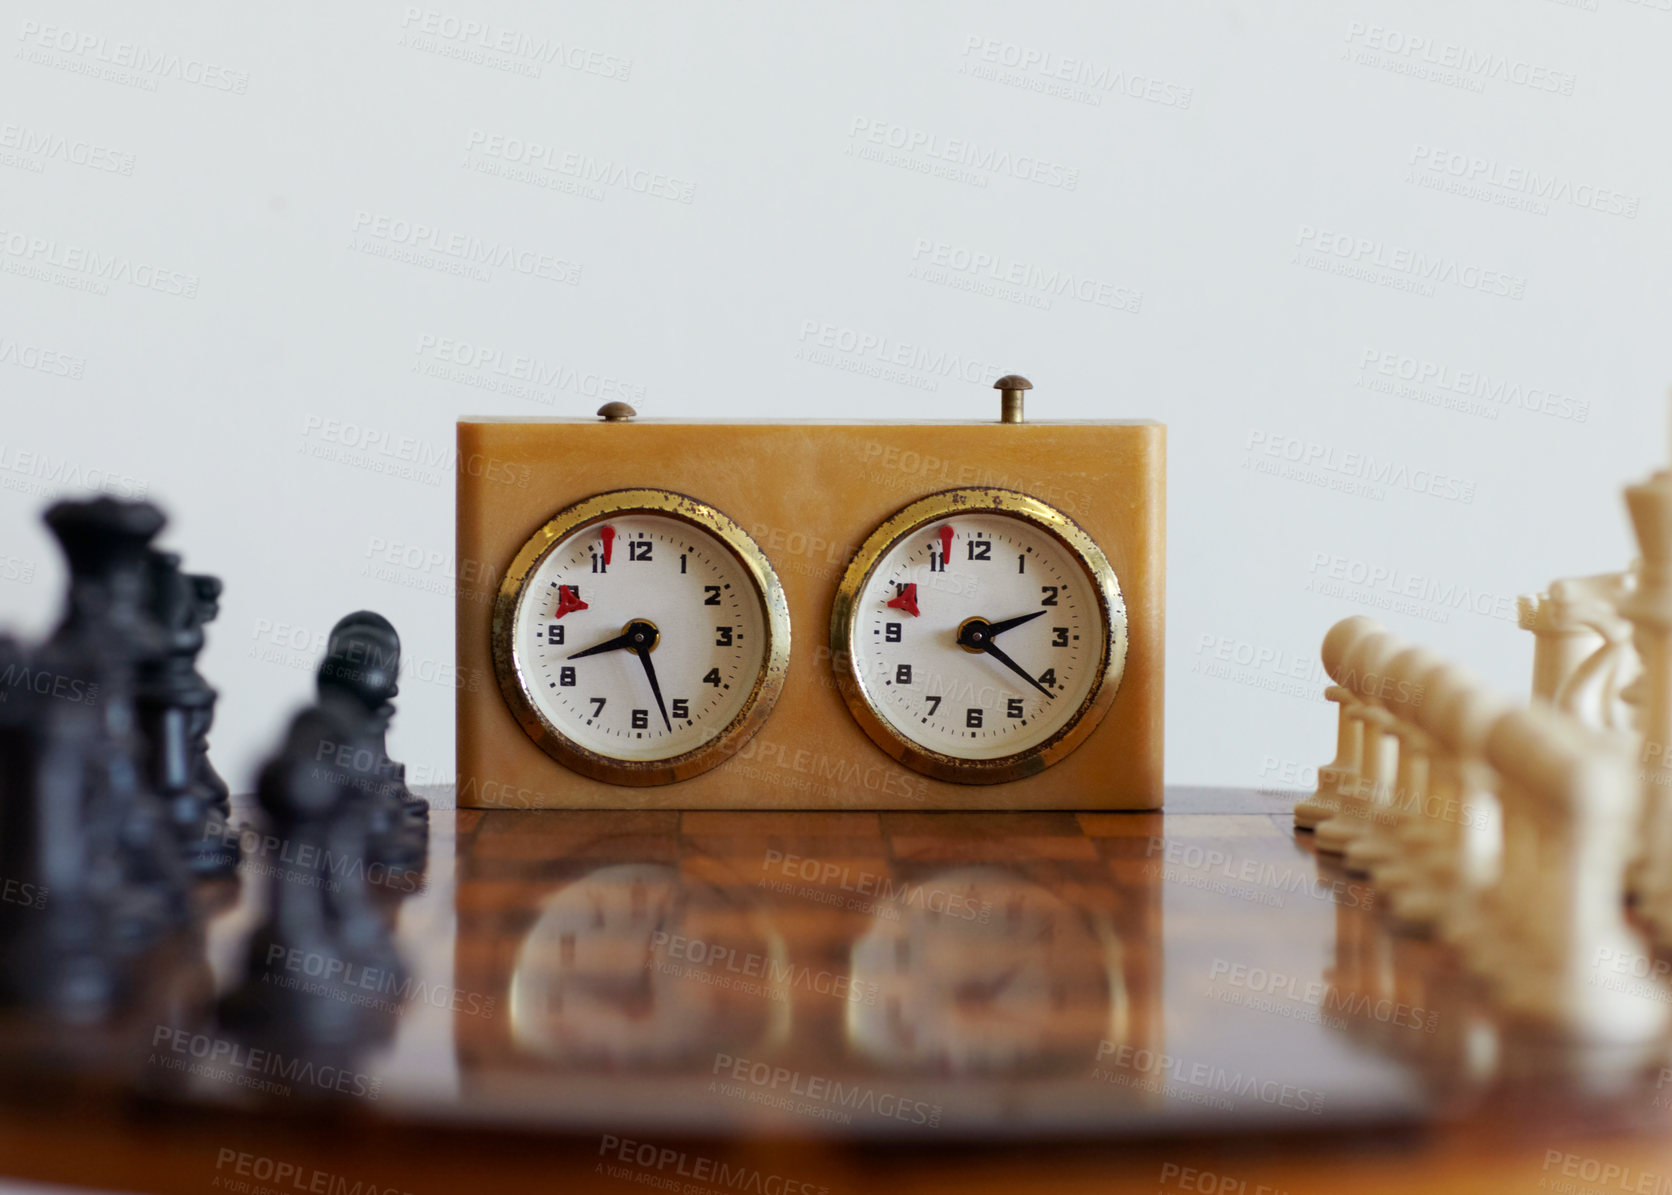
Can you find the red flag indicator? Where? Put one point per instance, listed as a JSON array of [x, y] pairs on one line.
[[906, 600], [608, 537], [568, 600]]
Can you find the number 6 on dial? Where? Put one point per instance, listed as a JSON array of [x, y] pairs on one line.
[[979, 636]]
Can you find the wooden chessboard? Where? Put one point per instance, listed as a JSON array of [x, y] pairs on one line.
[[852, 1002]]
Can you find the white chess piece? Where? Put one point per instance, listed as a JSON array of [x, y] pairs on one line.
[[1418, 832], [1374, 682], [1579, 792], [1362, 668], [1649, 609], [1498, 951], [1343, 769], [1382, 848], [1594, 691], [1458, 712], [1561, 642], [1420, 889]]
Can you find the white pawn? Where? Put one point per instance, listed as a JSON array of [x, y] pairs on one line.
[[1343, 769], [1580, 794], [1458, 712], [1376, 846], [1418, 832], [1362, 668], [1499, 952]]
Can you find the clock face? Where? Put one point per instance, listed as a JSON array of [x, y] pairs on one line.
[[1043, 636], [641, 639], [617, 970], [979, 633], [979, 970]]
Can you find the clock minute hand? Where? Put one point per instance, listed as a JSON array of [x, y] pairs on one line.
[[992, 649], [655, 689], [998, 628]]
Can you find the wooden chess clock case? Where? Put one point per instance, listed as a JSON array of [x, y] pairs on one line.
[[809, 495]]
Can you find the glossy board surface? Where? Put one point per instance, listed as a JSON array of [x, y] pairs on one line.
[[802, 990]]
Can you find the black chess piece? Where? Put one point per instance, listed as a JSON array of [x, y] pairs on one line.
[[133, 860], [417, 808], [300, 991], [207, 590], [170, 696], [55, 928], [359, 672], [364, 933]]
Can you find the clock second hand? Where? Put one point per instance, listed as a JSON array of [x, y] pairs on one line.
[[638, 637]]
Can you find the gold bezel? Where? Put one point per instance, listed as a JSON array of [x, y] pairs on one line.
[[1105, 681], [769, 683]]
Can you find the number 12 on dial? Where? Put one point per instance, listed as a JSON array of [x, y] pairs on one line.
[[979, 636]]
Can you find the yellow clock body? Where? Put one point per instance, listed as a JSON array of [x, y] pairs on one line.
[[812, 516]]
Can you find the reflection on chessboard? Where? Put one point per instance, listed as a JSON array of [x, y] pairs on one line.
[[822, 949]]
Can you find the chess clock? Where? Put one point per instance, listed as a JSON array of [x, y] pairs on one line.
[[910, 615]]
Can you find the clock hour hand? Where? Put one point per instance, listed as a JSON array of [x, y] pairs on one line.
[[655, 689], [616, 644], [636, 636], [998, 628]]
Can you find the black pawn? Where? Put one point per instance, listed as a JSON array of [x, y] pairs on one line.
[[296, 992], [55, 929], [105, 632], [171, 697], [207, 590], [417, 808], [358, 674], [365, 935]]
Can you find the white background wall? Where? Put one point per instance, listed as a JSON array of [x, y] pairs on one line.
[[1192, 161]]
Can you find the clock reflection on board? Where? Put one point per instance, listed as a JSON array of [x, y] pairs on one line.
[[979, 970], [636, 964]]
